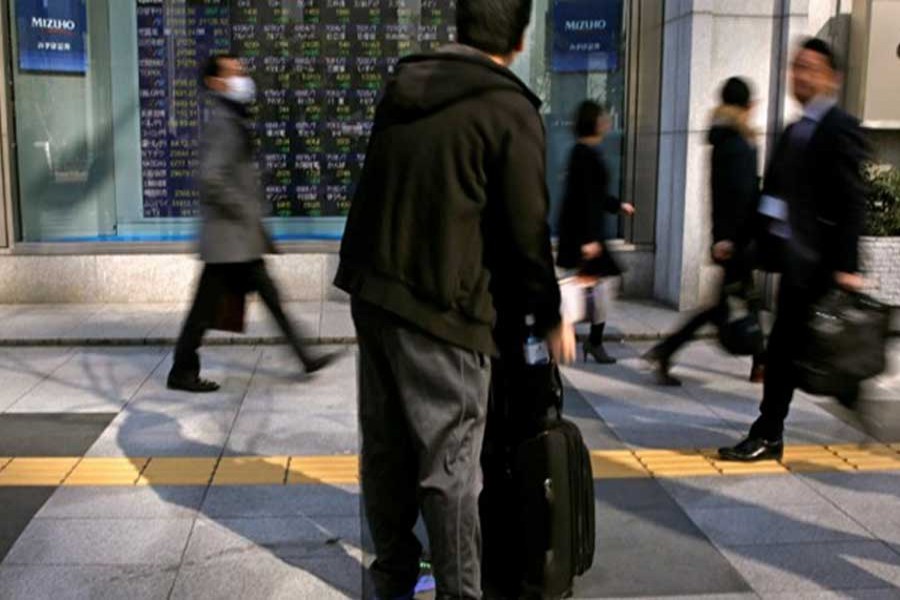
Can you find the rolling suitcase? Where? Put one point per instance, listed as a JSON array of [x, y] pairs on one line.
[[538, 501]]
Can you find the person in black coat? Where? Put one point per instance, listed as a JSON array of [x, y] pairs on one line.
[[587, 200], [814, 194], [735, 197]]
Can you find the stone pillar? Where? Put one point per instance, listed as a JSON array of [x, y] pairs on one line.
[[705, 42]]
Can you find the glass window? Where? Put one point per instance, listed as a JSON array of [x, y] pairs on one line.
[[108, 106], [584, 59]]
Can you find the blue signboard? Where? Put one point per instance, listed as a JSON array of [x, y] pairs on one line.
[[52, 35], [586, 35]]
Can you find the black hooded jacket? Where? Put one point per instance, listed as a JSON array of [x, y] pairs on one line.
[[735, 180], [448, 227]]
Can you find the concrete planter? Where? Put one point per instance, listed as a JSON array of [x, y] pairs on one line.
[[881, 263]]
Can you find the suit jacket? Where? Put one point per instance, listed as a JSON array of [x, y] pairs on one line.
[[231, 194], [821, 181]]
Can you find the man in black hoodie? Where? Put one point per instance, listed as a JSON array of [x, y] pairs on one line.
[[447, 237]]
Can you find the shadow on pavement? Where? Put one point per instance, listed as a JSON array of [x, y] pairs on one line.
[[762, 540]]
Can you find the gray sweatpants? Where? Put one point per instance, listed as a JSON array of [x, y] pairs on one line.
[[422, 410]]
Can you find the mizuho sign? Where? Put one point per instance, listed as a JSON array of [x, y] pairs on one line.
[[52, 36], [54, 24], [584, 25]]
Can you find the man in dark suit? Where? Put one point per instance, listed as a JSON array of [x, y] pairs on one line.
[[814, 195], [233, 239]]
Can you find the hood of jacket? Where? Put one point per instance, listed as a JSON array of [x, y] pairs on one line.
[[727, 121], [426, 83]]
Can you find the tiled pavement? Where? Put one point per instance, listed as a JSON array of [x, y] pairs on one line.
[[818, 530], [158, 324]]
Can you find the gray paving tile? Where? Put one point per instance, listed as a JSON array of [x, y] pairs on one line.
[[337, 325], [684, 436], [747, 596], [195, 424], [258, 323], [122, 321], [825, 432], [21, 369], [11, 311], [628, 380], [101, 542], [123, 503], [821, 567], [632, 415], [288, 440], [336, 306], [282, 501], [742, 408], [273, 388], [169, 326], [286, 537], [93, 380], [85, 583], [260, 575], [296, 423], [878, 418], [883, 522], [654, 317], [305, 316], [733, 492], [203, 443], [777, 524], [50, 434], [887, 593], [654, 552], [877, 491], [48, 322], [19, 507], [632, 494], [596, 433], [160, 422]]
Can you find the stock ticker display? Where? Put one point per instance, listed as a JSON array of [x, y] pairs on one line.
[[319, 67]]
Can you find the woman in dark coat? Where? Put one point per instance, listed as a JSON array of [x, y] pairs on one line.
[[582, 252], [735, 198]]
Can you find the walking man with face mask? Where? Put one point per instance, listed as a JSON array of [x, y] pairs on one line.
[[233, 239]]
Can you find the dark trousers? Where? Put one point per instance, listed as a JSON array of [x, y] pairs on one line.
[[716, 314], [785, 343], [422, 411], [216, 281]]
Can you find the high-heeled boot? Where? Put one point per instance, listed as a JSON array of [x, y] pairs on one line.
[[594, 346]]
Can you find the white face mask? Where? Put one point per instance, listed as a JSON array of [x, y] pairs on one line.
[[241, 90]]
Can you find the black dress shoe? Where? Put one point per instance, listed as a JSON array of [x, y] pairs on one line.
[[195, 385], [661, 364], [753, 449]]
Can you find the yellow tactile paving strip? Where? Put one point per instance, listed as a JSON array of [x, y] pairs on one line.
[[340, 470], [37, 471]]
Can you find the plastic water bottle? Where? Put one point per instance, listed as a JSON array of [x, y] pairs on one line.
[[536, 351]]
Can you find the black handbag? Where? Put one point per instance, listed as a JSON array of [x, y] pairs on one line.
[[846, 343], [741, 332]]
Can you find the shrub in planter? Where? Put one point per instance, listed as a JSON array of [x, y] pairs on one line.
[[881, 247], [883, 201]]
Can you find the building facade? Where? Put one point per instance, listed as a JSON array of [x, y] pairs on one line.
[[102, 109]]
